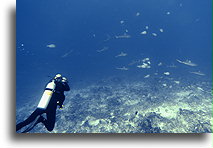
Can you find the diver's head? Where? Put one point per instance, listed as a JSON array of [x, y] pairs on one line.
[[58, 77]]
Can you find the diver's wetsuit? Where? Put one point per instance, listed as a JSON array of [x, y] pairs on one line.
[[58, 98]]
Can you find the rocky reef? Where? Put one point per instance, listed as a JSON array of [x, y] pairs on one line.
[[119, 106]]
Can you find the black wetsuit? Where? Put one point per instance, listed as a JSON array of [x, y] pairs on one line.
[[58, 98]]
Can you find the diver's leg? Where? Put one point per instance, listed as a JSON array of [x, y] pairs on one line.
[[50, 121], [38, 119], [30, 119]]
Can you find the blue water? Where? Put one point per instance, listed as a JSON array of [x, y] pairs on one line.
[[79, 28]]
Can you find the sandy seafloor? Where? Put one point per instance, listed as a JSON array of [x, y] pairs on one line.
[[117, 105]]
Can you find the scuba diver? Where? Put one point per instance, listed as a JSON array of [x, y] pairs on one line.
[[52, 97]]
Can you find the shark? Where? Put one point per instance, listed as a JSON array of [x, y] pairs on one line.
[[122, 54], [103, 49], [198, 73], [124, 36], [122, 68], [51, 46], [187, 62]]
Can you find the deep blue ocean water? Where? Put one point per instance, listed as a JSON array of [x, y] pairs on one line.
[[81, 29]]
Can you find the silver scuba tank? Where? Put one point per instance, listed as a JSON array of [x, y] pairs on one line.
[[47, 95]]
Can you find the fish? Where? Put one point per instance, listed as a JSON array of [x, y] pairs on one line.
[[164, 85], [124, 36], [172, 66], [103, 49], [154, 34], [147, 76], [160, 64], [122, 68], [187, 62], [122, 54], [177, 82], [121, 21], [51, 46], [144, 65], [144, 32], [66, 54], [166, 73], [145, 59], [168, 13], [198, 73]]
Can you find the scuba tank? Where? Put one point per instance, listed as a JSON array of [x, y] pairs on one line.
[[47, 95]]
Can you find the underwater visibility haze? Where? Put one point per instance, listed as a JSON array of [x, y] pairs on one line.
[[142, 66]]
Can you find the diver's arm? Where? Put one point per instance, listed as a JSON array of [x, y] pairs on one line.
[[66, 86], [61, 101]]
